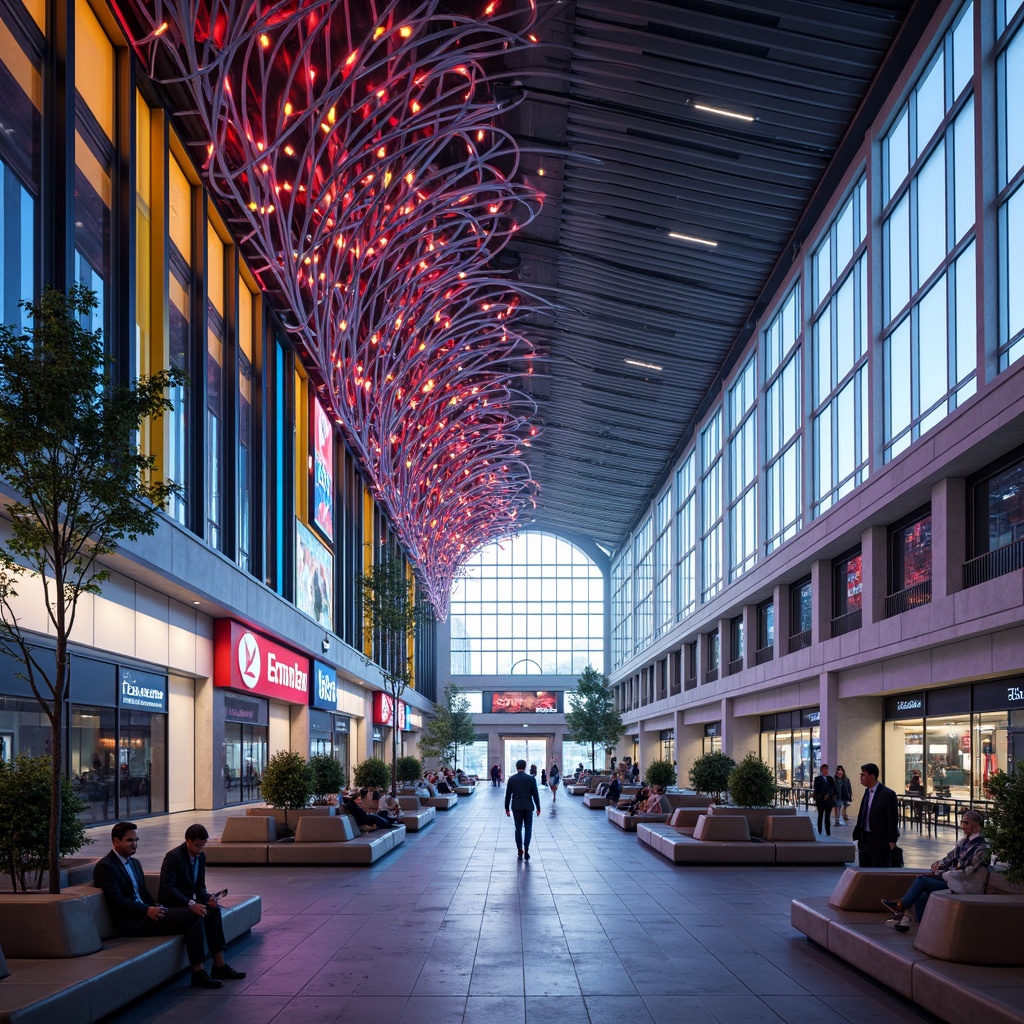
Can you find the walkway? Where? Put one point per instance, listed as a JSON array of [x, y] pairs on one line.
[[452, 929]]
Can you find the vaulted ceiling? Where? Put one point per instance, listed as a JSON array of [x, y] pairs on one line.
[[616, 130]]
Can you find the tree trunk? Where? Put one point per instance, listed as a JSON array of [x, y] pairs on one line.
[[56, 778]]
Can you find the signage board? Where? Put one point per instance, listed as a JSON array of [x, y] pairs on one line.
[[142, 691], [323, 471], [250, 662], [323, 691]]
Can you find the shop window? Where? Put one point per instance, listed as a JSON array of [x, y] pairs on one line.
[[997, 510], [847, 591], [910, 564], [245, 757], [765, 632], [800, 615], [691, 666], [94, 760], [714, 656], [737, 644], [947, 758]]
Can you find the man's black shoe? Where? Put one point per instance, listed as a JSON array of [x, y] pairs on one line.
[[526, 855], [200, 979], [227, 973]]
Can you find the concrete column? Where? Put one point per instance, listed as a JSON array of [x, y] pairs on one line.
[[828, 701], [209, 748], [821, 601], [949, 536], [874, 547]]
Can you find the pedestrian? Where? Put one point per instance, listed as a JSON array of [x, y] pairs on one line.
[[554, 778], [543, 777], [495, 775], [844, 795], [521, 795], [825, 799], [876, 831]]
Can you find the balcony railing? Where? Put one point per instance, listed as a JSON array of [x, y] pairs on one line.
[[847, 623], [798, 641], [690, 683], [711, 675], [735, 666], [912, 597], [764, 655], [994, 563]]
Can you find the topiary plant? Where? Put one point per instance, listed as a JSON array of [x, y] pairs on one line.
[[328, 777], [1005, 826], [752, 783], [408, 768], [287, 780], [372, 773], [710, 773], [660, 773]]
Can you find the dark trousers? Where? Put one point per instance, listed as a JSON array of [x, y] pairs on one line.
[[185, 922], [524, 823], [825, 812], [872, 856]]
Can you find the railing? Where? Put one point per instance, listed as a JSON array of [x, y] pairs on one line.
[[846, 623], [711, 675], [735, 666], [690, 683], [764, 655], [676, 687], [994, 563], [912, 597], [798, 641]]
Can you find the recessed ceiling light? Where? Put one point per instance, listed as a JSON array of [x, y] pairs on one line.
[[694, 239], [644, 366], [722, 112], [197, 602]]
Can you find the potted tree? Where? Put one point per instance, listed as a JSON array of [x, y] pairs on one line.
[[710, 774], [328, 779], [1004, 828], [372, 773], [752, 792], [660, 773], [592, 717], [287, 786], [408, 768]]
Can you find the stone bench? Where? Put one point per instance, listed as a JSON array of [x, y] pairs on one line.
[[965, 961], [415, 816], [67, 963], [580, 788], [245, 840], [442, 802], [335, 840], [620, 818]]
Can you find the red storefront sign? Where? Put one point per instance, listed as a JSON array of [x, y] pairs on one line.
[[252, 663], [383, 709]]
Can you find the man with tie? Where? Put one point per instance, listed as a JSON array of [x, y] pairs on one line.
[[183, 884], [876, 831], [132, 909], [521, 796]]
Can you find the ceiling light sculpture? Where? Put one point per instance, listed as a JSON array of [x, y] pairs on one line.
[[354, 138]]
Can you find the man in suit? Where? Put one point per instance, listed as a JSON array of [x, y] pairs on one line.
[[133, 910], [521, 794], [183, 884], [876, 831], [824, 798]]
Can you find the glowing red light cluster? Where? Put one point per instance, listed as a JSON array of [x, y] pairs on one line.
[[356, 139]]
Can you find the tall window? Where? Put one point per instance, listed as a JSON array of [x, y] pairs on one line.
[[910, 563], [643, 587], [21, 88], [743, 471], [929, 287], [528, 605], [686, 536], [847, 592], [622, 607], [840, 354], [765, 630], [247, 310], [782, 423], [1011, 195], [663, 563], [800, 615], [997, 509], [216, 333], [711, 507]]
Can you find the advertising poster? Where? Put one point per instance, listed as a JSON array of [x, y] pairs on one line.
[[517, 702], [314, 575], [323, 472]]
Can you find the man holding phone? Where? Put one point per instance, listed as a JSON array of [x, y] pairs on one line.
[[183, 884]]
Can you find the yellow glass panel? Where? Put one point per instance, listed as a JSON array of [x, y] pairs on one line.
[[13, 57], [179, 218], [303, 465], [215, 268], [37, 8], [178, 295], [93, 170], [245, 301], [94, 67], [143, 156]]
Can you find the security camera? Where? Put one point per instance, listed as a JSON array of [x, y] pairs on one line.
[[325, 644]]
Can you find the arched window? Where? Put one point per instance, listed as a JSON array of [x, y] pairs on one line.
[[530, 605]]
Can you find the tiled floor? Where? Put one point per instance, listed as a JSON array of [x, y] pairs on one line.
[[453, 929]]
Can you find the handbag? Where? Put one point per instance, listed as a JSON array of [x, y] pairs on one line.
[[896, 857]]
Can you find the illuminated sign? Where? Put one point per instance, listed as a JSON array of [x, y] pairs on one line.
[[248, 661], [516, 702], [314, 576], [323, 693], [323, 471], [142, 691], [383, 708]]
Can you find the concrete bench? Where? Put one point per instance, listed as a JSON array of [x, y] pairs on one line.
[[335, 840], [628, 822], [579, 788], [245, 840], [415, 816], [796, 843], [441, 802], [73, 967], [965, 961]]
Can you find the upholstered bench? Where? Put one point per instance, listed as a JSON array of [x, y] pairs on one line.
[[244, 840], [335, 840], [414, 815]]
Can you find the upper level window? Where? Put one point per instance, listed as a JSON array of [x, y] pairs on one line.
[[743, 463], [1010, 87], [766, 625], [847, 592], [737, 643], [800, 614], [711, 506], [686, 535], [536, 600], [643, 592], [910, 563], [663, 563], [929, 275]]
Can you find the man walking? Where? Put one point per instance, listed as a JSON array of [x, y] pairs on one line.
[[876, 831], [825, 798], [521, 795]]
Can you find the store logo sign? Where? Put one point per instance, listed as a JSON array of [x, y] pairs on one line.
[[909, 705], [143, 691], [1014, 693], [324, 691], [249, 660]]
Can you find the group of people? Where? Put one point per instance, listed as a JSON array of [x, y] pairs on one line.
[[832, 794]]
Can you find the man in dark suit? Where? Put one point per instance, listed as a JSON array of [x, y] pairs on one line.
[[521, 794], [183, 884], [876, 831], [824, 798], [133, 910]]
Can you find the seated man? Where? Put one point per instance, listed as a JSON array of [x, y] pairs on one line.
[[635, 804], [614, 791], [354, 806], [960, 870], [133, 910], [388, 807], [183, 884]]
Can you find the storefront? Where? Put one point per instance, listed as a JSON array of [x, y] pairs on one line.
[[667, 745], [712, 742], [791, 742], [955, 738], [246, 721], [328, 731]]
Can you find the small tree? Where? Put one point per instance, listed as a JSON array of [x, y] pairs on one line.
[[592, 717], [752, 783], [372, 773], [287, 780], [392, 615], [1005, 826], [710, 773], [68, 450], [25, 813], [408, 768], [660, 773], [328, 777], [450, 726]]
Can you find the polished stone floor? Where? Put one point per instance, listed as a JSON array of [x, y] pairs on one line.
[[452, 929]]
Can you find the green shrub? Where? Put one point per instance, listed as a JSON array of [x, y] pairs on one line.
[[752, 783], [372, 773], [1005, 826], [710, 773], [25, 813], [328, 777], [660, 773], [408, 768], [287, 780]]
